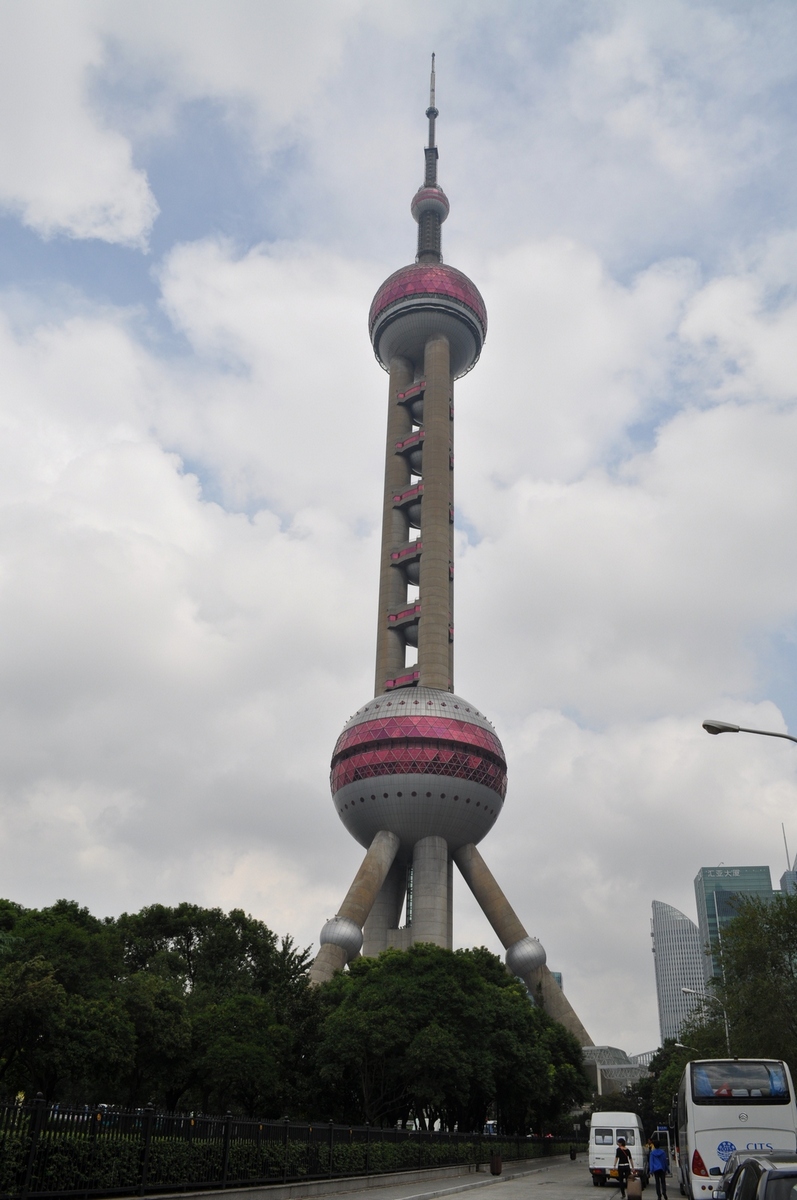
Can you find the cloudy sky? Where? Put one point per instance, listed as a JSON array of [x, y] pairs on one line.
[[198, 201]]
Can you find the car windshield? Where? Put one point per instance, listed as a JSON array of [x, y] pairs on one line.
[[739, 1082], [782, 1189]]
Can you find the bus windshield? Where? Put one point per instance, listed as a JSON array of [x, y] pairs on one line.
[[734, 1082]]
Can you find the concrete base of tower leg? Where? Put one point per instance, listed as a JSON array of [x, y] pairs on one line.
[[328, 960], [400, 939], [550, 996]]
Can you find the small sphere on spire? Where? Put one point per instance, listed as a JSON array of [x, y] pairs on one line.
[[430, 199]]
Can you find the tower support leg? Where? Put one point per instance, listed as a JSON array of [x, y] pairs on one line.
[[430, 891], [341, 938], [516, 941], [386, 911]]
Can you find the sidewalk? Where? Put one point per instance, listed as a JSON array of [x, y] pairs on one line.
[[398, 1185]]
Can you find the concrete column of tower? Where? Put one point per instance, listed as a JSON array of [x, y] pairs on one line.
[[386, 911], [434, 657], [390, 646], [430, 891], [341, 938], [451, 538]]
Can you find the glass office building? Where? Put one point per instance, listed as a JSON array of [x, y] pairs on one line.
[[716, 892], [678, 955], [788, 883]]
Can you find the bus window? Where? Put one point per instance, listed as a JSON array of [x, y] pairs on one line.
[[722, 1082], [604, 1137], [628, 1134]]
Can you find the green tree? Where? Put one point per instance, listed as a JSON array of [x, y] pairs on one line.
[[759, 985], [441, 1036], [239, 1055], [155, 1005], [84, 951], [161, 1061], [215, 961], [29, 995], [210, 951]]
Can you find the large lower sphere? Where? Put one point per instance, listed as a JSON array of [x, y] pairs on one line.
[[426, 300], [419, 762]]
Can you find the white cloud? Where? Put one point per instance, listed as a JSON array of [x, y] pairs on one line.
[[745, 325], [61, 170]]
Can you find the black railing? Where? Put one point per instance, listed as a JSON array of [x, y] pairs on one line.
[[48, 1150]]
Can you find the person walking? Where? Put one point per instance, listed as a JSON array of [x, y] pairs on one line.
[[624, 1165], [658, 1165]]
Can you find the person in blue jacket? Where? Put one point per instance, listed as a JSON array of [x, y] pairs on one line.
[[657, 1165]]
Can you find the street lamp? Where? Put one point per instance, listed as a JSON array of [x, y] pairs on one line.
[[702, 998], [711, 726]]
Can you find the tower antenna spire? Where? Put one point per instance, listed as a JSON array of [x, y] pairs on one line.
[[431, 111]]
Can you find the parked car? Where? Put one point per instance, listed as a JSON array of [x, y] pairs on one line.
[[759, 1176]]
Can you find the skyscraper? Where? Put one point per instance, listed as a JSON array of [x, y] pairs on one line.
[[716, 889], [788, 882], [418, 773], [678, 960]]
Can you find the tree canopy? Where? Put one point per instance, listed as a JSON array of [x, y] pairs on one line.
[[757, 989], [196, 1008], [435, 1036], [167, 1004]]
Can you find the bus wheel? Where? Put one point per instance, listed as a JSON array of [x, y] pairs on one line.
[[595, 1181]]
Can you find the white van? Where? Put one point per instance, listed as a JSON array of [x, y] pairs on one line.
[[605, 1129]]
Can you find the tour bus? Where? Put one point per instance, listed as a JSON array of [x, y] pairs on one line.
[[724, 1105], [605, 1129]]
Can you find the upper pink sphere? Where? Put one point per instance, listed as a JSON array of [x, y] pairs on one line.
[[430, 199], [428, 279]]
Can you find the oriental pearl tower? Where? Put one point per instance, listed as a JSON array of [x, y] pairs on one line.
[[418, 773]]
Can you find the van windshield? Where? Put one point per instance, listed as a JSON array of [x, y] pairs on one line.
[[604, 1137], [735, 1082], [628, 1134]]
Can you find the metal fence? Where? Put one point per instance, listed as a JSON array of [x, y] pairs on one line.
[[51, 1151]]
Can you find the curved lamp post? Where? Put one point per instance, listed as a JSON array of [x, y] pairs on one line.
[[711, 726], [703, 998]]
